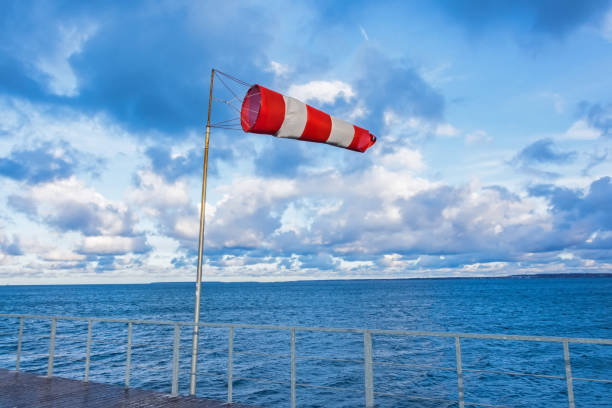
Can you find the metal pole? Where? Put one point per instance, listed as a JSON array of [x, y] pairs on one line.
[[230, 364], [568, 375], [459, 372], [175, 359], [369, 374], [51, 348], [88, 350], [128, 356], [293, 368], [19, 344], [196, 319]]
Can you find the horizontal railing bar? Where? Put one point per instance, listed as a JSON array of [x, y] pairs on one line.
[[414, 366], [592, 379], [96, 319], [473, 370], [510, 337], [331, 329]]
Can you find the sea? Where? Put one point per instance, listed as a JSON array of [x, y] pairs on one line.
[[408, 371]]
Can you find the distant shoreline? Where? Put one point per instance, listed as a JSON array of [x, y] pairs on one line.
[[529, 276]]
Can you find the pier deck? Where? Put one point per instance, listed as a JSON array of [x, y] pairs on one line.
[[21, 389]]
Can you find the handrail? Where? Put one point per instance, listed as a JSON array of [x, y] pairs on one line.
[[509, 337], [368, 360]]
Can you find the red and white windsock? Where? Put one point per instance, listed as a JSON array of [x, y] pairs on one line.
[[268, 112]]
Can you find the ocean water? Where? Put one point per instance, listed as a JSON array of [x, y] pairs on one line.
[[405, 366]]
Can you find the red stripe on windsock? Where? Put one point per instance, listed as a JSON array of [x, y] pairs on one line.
[[263, 110], [362, 140], [318, 126]]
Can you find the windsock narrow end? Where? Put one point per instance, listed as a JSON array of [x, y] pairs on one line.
[[362, 140], [370, 144]]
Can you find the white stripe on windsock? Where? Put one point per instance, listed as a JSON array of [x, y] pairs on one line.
[[341, 134], [296, 116]]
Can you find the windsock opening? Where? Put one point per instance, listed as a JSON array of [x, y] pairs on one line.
[[263, 110], [250, 108]]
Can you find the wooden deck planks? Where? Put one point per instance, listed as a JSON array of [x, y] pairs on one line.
[[27, 390]]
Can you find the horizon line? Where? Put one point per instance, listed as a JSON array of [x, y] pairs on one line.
[[515, 276]]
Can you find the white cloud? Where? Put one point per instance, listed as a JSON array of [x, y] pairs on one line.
[[187, 227], [55, 62], [558, 101], [446, 129], [59, 254], [112, 245], [581, 130], [70, 205], [168, 205], [8, 248], [478, 136], [416, 127], [155, 194], [242, 217], [278, 69], [438, 75], [295, 219], [358, 112], [403, 158], [322, 92], [363, 33], [27, 122]]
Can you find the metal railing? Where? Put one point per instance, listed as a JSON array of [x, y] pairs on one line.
[[368, 361]]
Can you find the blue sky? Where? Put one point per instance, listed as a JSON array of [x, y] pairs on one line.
[[494, 126]]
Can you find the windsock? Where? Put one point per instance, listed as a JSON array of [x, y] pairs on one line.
[[268, 112]]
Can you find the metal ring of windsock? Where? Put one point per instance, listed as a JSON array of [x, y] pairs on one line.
[[268, 112]]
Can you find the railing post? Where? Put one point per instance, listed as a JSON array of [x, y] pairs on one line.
[[128, 356], [88, 350], [369, 375], [175, 359], [51, 348], [568, 374], [230, 364], [293, 368], [459, 372], [18, 359]]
